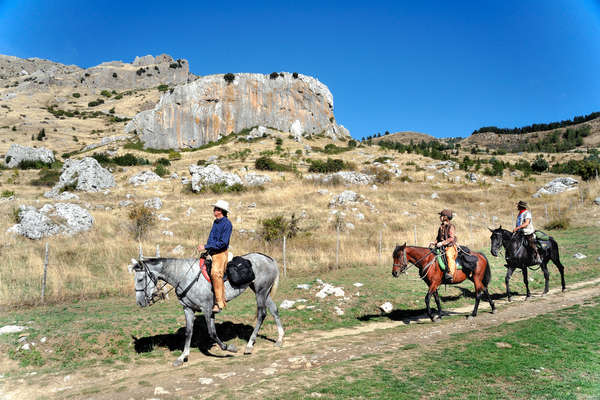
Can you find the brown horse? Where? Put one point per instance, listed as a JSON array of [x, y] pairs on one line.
[[429, 270]]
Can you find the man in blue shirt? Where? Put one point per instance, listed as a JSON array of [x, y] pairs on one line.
[[216, 246]]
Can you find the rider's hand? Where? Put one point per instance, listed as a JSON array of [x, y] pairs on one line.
[[200, 247], [439, 244]]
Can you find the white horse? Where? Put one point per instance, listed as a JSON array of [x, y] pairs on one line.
[[195, 293]]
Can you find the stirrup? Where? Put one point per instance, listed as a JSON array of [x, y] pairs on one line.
[[216, 309], [448, 278]]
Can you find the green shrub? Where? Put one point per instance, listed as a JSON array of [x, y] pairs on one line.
[[102, 158], [106, 93], [163, 88], [267, 164], [174, 155], [28, 164], [229, 77], [278, 141], [129, 160], [274, 75], [382, 159], [95, 103], [41, 135], [76, 95], [295, 75], [7, 193], [46, 177], [329, 166], [163, 161], [540, 164], [161, 170], [112, 111], [352, 143], [222, 187], [118, 97], [275, 228]]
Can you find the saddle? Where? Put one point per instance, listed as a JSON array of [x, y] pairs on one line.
[[542, 240], [238, 271], [465, 261]]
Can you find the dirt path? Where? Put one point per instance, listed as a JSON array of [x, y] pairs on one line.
[[297, 366]]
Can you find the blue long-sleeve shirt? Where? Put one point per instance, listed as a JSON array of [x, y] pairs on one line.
[[218, 239]]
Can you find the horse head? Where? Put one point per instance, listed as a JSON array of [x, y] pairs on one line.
[[496, 240], [400, 261], [145, 282]]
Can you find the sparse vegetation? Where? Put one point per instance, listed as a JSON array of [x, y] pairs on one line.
[[142, 220], [229, 77], [163, 88], [95, 103], [161, 170], [274, 75], [41, 134], [267, 164], [106, 93], [276, 227], [76, 95], [329, 166]]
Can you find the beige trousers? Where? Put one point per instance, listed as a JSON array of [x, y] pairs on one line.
[[219, 263]]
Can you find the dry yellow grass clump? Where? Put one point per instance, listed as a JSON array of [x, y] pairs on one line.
[[95, 263]]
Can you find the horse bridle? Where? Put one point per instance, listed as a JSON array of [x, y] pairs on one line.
[[149, 276], [406, 265]]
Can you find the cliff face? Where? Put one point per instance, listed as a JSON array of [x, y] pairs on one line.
[[34, 74], [203, 110]]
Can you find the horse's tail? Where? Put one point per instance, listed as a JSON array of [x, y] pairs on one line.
[[275, 285], [487, 275]]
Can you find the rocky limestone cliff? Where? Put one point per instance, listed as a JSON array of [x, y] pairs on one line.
[[210, 107], [33, 74]]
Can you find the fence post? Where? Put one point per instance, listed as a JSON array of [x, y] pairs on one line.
[[415, 229], [546, 212], [379, 256], [284, 262], [337, 247], [45, 272], [141, 252], [157, 250]]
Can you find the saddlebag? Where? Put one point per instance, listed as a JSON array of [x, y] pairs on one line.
[[239, 271]]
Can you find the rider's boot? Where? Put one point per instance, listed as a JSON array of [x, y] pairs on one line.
[[448, 278]]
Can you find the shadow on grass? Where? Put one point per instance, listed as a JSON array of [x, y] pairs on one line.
[[200, 339]]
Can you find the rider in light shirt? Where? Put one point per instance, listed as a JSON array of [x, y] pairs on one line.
[[525, 222]]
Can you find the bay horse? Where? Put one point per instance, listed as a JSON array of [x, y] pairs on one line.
[[195, 293], [517, 256], [430, 272]]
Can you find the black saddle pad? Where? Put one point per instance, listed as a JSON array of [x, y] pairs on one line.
[[240, 271], [467, 261]]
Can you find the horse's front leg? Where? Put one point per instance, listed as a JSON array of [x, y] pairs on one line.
[[526, 282], [189, 331], [212, 332], [509, 272], [436, 296]]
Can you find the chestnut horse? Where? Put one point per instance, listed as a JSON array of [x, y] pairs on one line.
[[429, 270]]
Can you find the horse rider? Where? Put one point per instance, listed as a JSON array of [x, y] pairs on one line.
[[446, 238], [525, 223], [216, 246]]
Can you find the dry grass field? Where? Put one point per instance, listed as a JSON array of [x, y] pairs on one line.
[[94, 263]]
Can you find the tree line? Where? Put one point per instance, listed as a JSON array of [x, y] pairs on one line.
[[539, 127]]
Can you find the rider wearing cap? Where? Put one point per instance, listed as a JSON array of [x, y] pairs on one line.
[[216, 246], [446, 238], [525, 223]]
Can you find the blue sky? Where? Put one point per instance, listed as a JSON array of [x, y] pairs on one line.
[[439, 67]]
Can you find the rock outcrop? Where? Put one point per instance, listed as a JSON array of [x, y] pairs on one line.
[[144, 178], [346, 177], [86, 175], [51, 220], [145, 72], [210, 175], [211, 107], [17, 153], [556, 186]]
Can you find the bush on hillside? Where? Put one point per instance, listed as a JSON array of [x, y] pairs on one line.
[[275, 228], [46, 177], [329, 166], [229, 77], [268, 164], [142, 220]]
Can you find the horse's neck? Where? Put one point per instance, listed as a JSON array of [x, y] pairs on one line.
[[167, 271], [417, 256]]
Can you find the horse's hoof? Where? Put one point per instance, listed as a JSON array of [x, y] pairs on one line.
[[279, 343], [509, 300], [528, 297], [470, 317], [231, 348], [437, 319], [493, 311], [178, 363], [564, 289], [248, 350]]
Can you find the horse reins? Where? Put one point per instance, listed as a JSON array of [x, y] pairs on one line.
[[159, 294], [415, 263]]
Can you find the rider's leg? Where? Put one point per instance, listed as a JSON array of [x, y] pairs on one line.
[[219, 262], [451, 260], [536, 255]]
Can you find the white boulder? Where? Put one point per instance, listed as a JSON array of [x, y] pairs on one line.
[[17, 153], [210, 175], [86, 175], [60, 218], [144, 177], [556, 186]]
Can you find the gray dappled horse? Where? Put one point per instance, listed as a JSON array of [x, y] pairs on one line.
[[195, 293]]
